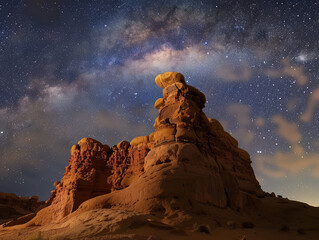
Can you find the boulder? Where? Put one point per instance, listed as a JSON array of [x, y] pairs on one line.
[[165, 79], [159, 103], [139, 140], [123, 145]]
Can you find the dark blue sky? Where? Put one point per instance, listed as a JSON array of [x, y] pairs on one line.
[[72, 69]]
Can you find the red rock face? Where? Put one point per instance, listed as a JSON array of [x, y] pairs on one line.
[[234, 160], [127, 163], [94, 169], [181, 119], [120, 162], [85, 177]]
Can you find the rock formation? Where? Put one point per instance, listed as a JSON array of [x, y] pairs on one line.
[[182, 120], [12, 206], [127, 161], [85, 177], [188, 172], [94, 169], [187, 164]]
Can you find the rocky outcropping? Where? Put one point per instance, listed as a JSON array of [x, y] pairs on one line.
[[94, 169], [182, 120], [188, 177], [127, 161], [13, 206], [188, 165], [85, 177]]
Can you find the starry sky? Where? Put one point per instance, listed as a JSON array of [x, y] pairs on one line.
[[74, 69]]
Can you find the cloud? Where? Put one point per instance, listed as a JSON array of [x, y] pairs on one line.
[[112, 120], [286, 129], [311, 105], [260, 122], [282, 164], [290, 132], [232, 72], [241, 112], [190, 59], [289, 70], [39, 131], [242, 131], [34, 123]]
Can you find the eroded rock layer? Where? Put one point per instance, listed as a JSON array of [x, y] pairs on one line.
[[127, 163], [13, 206], [85, 177], [181, 119]]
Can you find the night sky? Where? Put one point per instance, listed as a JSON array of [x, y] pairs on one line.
[[74, 69]]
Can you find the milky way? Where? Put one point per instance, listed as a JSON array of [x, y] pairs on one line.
[[73, 69]]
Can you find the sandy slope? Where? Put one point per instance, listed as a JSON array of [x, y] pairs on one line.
[[268, 218]]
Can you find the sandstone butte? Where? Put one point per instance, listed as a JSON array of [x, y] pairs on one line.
[[187, 180]]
